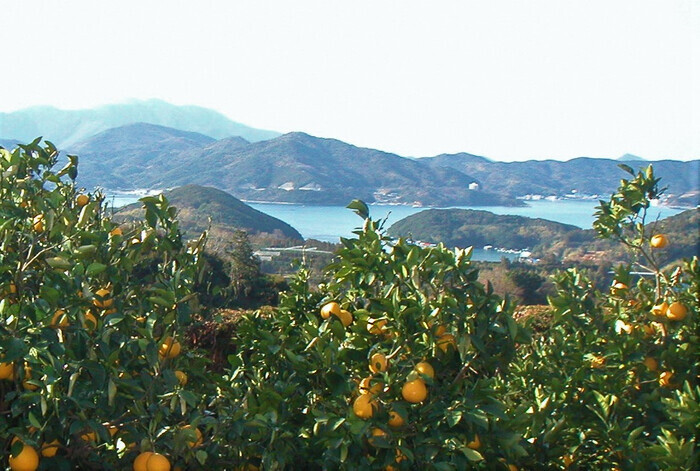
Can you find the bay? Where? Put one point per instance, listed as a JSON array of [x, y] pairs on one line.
[[329, 223]]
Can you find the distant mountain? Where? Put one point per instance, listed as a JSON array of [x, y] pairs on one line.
[[67, 127], [631, 158], [466, 227], [9, 143], [295, 168], [131, 156], [197, 205], [585, 175]]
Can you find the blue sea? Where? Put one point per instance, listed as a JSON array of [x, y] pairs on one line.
[[329, 223]]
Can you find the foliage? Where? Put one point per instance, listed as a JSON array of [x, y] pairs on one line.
[[299, 372], [614, 382], [85, 309]]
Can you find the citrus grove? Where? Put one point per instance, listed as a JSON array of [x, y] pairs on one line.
[[399, 359]]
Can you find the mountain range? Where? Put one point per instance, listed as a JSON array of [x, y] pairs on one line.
[[68, 127], [155, 145]]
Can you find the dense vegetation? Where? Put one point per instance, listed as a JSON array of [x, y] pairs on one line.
[[202, 208], [467, 227], [399, 359]]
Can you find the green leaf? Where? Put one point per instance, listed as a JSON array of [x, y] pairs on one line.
[[360, 208]]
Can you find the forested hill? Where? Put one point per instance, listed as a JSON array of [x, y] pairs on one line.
[[197, 205], [466, 227]]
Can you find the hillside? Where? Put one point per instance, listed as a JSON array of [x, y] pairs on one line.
[[67, 127], [129, 156], [197, 204], [549, 177], [466, 227], [295, 168]]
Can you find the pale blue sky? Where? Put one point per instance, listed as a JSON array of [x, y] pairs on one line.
[[510, 80]]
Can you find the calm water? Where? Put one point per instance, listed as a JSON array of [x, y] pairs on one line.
[[329, 223]]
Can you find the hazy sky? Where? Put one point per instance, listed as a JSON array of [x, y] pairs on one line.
[[510, 80]]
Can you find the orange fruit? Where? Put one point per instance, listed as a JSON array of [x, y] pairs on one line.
[[330, 308], [199, 439], [376, 432], [597, 362], [676, 311], [364, 406], [376, 327], [102, 301], [59, 319], [82, 200], [426, 369], [345, 317], [440, 331], [115, 232], [49, 450], [651, 363], [90, 321], [395, 420], [474, 444], [414, 391], [665, 379], [7, 370], [370, 386], [26, 460], [27, 377], [378, 363], [659, 241], [617, 285], [38, 223], [446, 342], [181, 377], [89, 436], [660, 309], [169, 348], [141, 461]]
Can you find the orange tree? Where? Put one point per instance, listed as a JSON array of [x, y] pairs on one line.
[[614, 382], [91, 368], [389, 364]]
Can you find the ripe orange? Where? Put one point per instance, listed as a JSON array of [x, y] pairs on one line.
[[364, 406], [651, 363], [38, 223], [115, 232], [376, 432], [169, 348], [378, 363], [414, 391], [369, 385], [676, 311], [446, 342], [395, 420], [659, 241], [619, 285], [141, 461], [27, 377], [199, 439], [622, 326], [665, 379], [660, 309], [597, 362], [440, 331], [181, 377], [49, 450], [376, 327], [426, 369], [474, 444], [82, 200], [90, 321], [330, 308], [345, 317], [7, 370], [26, 460], [59, 319], [102, 301]]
